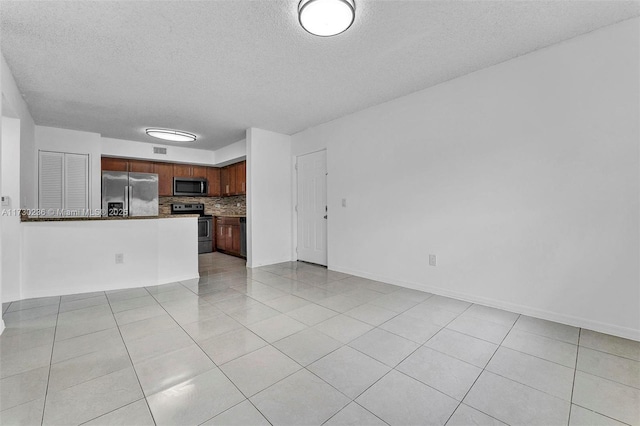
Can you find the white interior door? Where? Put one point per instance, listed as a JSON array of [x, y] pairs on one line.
[[312, 207]]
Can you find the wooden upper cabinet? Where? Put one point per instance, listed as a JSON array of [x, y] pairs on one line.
[[213, 177], [181, 170], [115, 164], [141, 166], [165, 178], [199, 172], [230, 180], [233, 189], [241, 177], [224, 181], [233, 179]]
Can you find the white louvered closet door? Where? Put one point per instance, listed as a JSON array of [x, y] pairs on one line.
[[63, 182], [76, 182], [50, 180]]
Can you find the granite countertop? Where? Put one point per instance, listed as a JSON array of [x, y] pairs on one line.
[[230, 215], [90, 218]]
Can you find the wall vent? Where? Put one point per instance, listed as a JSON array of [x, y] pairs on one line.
[[158, 150]]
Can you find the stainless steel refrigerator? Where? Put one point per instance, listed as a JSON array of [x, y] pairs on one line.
[[129, 194]]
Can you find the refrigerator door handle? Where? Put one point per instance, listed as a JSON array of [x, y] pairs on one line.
[[126, 201]]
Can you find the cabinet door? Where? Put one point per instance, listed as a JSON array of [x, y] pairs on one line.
[[241, 177], [233, 188], [220, 236], [182, 170], [140, 166], [224, 181], [235, 239], [165, 178], [199, 172], [115, 164], [213, 177]]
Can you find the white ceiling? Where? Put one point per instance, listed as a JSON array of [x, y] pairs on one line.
[[215, 68]]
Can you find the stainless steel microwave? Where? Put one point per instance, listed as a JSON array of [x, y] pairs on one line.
[[190, 186]]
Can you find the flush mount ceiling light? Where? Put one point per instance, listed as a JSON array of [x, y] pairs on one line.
[[171, 135], [326, 18]]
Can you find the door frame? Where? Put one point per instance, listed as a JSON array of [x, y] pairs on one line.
[[294, 197]]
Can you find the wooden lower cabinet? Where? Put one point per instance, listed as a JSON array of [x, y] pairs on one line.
[[228, 235]]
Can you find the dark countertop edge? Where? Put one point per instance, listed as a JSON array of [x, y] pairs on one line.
[[229, 215], [100, 218]]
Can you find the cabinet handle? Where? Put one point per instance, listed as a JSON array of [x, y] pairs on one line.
[[227, 191], [229, 231], [242, 186]]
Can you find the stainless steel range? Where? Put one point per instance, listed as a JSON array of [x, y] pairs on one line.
[[205, 224]]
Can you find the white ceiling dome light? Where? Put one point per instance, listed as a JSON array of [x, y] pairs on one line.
[[326, 18], [171, 135]]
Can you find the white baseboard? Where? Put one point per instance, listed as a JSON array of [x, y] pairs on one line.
[[65, 291], [267, 262], [178, 278], [615, 330]]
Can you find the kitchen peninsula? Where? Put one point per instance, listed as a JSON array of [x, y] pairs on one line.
[[106, 253], [116, 252]]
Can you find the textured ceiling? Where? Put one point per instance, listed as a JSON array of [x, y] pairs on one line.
[[215, 68]]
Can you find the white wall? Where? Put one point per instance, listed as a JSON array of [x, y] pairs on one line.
[[175, 154], [10, 237], [522, 178], [28, 156], [268, 197], [77, 142], [24, 196], [231, 153], [143, 150], [156, 251]]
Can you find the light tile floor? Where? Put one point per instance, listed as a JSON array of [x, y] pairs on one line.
[[297, 344]]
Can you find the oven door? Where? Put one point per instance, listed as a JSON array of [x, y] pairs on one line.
[[205, 229], [205, 235]]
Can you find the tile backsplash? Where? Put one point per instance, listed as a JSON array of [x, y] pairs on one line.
[[236, 205]]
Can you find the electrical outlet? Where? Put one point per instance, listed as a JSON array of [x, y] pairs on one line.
[[344, 202], [119, 257], [432, 260]]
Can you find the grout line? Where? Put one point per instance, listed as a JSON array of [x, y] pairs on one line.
[[575, 370], [603, 415], [116, 409], [481, 373], [214, 363], [144, 396], [46, 392]]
